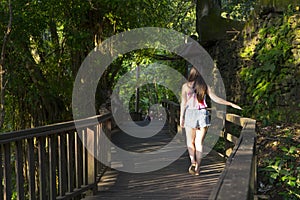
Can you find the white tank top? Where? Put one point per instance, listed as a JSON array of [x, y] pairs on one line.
[[193, 103]]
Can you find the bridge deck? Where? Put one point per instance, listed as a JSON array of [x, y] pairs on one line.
[[171, 182]]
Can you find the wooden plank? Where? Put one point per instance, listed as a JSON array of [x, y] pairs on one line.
[[241, 121], [171, 182], [231, 138], [53, 166], [70, 159], [42, 169], [237, 181], [103, 148], [78, 159], [62, 165], [98, 133], [7, 172], [228, 152], [19, 170], [77, 193], [1, 171], [95, 168], [85, 157], [238, 177], [31, 169]]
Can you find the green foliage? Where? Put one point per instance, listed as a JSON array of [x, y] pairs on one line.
[[51, 38], [237, 9], [282, 170], [269, 68], [152, 92]]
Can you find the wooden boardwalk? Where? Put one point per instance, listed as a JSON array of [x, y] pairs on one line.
[[171, 182]]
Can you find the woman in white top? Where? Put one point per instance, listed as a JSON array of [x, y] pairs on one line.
[[194, 116]]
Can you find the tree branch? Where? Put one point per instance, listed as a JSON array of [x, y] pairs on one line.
[[2, 70], [6, 35]]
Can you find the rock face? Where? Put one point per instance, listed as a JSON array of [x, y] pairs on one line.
[[276, 5], [245, 48]]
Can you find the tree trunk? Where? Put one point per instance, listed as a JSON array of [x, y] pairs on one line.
[[2, 68], [210, 25]]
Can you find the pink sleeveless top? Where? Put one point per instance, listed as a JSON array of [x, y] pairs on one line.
[[193, 103]]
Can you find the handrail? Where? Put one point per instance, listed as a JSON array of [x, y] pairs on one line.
[[50, 129], [238, 180], [51, 162]]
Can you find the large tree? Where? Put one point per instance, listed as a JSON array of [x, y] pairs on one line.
[[211, 26], [49, 39], [2, 65]]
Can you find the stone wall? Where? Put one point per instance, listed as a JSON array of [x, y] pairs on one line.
[[226, 54]]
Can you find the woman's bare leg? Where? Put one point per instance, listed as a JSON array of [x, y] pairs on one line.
[[199, 140], [190, 142]]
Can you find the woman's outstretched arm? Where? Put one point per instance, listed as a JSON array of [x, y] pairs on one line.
[[219, 100]]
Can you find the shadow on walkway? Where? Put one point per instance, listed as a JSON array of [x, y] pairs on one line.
[[170, 182]]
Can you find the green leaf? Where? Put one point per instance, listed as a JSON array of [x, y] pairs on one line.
[[292, 149], [269, 67], [274, 175], [285, 149]]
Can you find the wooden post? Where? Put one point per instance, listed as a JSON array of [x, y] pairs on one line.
[[7, 172], [78, 159], [19, 170], [62, 164], [52, 165], [42, 170], [70, 158], [1, 172], [31, 171], [137, 91], [95, 167]]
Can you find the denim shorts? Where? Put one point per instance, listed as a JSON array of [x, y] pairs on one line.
[[195, 118]]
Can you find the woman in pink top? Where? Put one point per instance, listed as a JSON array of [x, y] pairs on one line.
[[194, 116]]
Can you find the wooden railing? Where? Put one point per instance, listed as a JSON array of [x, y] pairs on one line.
[[51, 162], [238, 180], [173, 115]]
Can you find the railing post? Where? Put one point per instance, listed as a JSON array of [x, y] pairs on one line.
[[106, 148], [52, 166], [78, 160], [85, 158], [7, 172], [70, 160], [19, 170], [171, 118], [62, 165], [95, 167], [42, 170], [31, 169], [1, 171]]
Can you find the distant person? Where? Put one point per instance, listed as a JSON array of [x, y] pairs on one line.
[[194, 116]]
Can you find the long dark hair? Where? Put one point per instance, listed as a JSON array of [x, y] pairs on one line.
[[199, 85]]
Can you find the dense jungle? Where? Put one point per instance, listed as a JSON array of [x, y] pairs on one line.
[[255, 45]]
